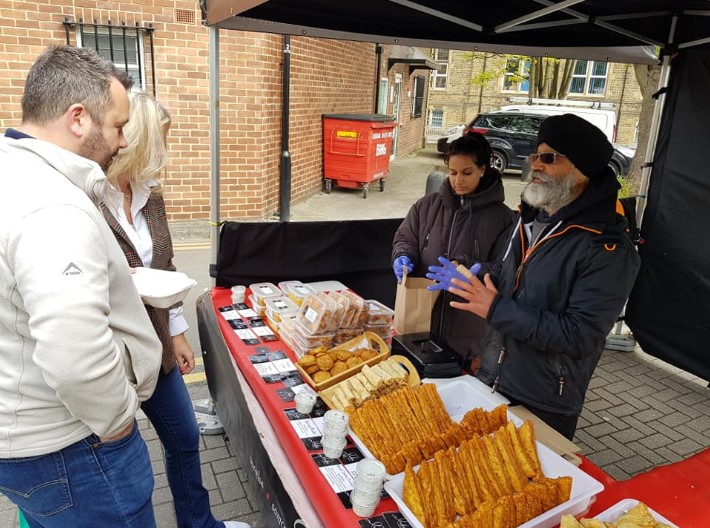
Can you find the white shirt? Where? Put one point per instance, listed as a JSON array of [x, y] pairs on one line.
[[139, 235]]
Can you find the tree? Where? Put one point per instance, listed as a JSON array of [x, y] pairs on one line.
[[647, 77], [545, 79], [543, 73]]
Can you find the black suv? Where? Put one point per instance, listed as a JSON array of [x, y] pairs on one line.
[[513, 135]]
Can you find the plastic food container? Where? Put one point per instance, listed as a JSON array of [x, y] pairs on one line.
[[344, 303], [296, 290], [261, 291], [357, 304], [311, 340], [346, 334], [384, 331], [277, 306], [335, 309], [378, 313], [315, 314], [259, 309]]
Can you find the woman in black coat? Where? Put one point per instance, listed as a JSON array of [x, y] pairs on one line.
[[465, 221]]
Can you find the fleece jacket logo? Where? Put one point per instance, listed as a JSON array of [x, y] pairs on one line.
[[72, 269]]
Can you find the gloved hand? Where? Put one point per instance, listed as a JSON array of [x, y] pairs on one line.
[[399, 264], [447, 271]]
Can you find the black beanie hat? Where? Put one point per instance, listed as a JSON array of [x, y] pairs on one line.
[[584, 144]]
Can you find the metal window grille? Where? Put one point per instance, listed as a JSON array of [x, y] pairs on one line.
[[589, 77], [418, 99], [123, 45]]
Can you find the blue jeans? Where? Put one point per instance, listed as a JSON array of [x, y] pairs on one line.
[[87, 484], [170, 411]]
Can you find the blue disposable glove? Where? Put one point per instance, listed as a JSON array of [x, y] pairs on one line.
[[399, 264], [447, 271]]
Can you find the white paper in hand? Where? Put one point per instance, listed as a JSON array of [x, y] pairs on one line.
[[160, 288]]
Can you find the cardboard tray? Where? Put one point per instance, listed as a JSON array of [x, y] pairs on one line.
[[413, 379], [615, 512], [366, 340]]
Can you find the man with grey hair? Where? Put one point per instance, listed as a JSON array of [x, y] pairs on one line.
[[79, 353], [556, 292]]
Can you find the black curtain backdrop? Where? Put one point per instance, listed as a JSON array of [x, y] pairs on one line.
[[354, 252], [669, 307]]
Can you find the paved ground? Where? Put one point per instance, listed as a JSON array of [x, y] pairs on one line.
[[640, 412]]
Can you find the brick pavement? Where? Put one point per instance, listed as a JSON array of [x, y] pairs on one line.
[[640, 412]]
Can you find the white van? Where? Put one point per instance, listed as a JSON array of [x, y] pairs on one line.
[[605, 120]]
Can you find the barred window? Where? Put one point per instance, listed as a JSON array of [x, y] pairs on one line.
[[436, 117], [123, 45], [589, 77], [418, 99]]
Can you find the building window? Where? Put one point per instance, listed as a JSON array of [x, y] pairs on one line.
[[439, 76], [517, 74], [589, 77], [418, 99], [436, 117], [382, 102], [123, 45]]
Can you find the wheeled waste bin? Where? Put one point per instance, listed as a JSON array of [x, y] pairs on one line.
[[356, 150]]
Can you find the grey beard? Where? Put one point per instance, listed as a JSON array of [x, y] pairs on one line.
[[554, 194]]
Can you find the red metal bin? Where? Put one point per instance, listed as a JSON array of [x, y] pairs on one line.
[[356, 149]]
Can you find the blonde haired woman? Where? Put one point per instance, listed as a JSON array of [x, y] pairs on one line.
[[135, 211]]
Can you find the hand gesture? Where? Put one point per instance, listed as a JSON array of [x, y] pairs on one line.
[[447, 271]]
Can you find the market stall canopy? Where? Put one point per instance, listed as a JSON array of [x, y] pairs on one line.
[[614, 30]]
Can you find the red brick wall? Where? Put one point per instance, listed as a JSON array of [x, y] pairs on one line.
[[327, 76]]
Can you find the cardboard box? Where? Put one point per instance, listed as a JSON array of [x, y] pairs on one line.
[[548, 436]]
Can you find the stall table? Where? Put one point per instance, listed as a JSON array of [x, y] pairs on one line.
[[317, 488]]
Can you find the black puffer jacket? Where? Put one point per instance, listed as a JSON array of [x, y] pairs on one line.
[[558, 301], [468, 229]]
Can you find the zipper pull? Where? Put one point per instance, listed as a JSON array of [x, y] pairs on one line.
[[496, 381], [562, 385]]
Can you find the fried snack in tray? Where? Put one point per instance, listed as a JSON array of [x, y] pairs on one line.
[[411, 424], [370, 382], [323, 363], [637, 517], [483, 484]]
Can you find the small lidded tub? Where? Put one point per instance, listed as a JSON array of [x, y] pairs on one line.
[[264, 290], [296, 290], [278, 306], [378, 313]]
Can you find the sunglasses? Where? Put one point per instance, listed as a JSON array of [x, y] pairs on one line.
[[548, 158]]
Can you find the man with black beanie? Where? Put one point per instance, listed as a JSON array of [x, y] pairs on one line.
[[557, 290]]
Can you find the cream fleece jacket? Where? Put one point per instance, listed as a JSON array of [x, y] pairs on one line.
[[77, 351]]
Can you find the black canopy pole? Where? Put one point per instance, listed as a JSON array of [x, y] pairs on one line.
[[378, 60], [285, 168]]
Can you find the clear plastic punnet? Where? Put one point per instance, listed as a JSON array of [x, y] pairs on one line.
[[357, 303], [296, 290], [276, 307], [264, 290], [378, 313], [314, 315]]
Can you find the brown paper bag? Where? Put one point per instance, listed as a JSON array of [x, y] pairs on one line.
[[413, 305]]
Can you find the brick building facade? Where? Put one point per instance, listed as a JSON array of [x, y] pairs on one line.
[[460, 100], [327, 76]]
